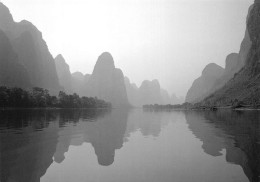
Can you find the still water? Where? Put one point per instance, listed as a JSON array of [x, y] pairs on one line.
[[129, 146]]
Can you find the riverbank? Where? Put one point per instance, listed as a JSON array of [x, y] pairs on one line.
[[188, 106], [49, 108]]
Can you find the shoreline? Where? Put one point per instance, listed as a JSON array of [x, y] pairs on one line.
[[47, 108], [206, 108]]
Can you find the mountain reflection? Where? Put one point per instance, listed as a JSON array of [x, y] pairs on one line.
[[236, 131], [26, 157], [30, 138]]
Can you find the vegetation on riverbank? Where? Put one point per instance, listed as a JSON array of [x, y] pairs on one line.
[[198, 106], [40, 98]]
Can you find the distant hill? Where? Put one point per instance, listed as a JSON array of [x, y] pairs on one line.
[[64, 75], [71, 82], [107, 82], [150, 92], [202, 85], [132, 92]]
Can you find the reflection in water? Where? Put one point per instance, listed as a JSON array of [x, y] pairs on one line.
[[104, 133], [149, 123], [26, 157], [107, 135], [31, 141], [236, 131], [28, 141]]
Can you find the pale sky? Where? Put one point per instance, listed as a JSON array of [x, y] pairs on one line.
[[168, 40]]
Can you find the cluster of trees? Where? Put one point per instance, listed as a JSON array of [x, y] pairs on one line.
[[169, 106], [40, 98]]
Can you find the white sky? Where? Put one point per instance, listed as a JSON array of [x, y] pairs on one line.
[[170, 40]]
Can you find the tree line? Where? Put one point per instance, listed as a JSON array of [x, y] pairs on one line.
[[40, 98]]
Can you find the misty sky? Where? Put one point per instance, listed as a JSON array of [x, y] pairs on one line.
[[170, 40]]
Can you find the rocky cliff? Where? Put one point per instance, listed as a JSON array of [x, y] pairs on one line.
[[245, 85]]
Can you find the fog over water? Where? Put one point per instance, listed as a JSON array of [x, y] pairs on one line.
[[168, 40]]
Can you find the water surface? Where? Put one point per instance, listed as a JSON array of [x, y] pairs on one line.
[[129, 146]]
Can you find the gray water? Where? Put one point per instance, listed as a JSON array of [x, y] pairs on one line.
[[129, 146]]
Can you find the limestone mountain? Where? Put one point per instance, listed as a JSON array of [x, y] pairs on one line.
[[107, 82], [71, 82], [234, 62], [202, 85], [31, 50], [78, 76], [12, 72], [64, 75], [150, 92], [177, 100], [79, 82], [132, 92], [245, 85], [165, 97]]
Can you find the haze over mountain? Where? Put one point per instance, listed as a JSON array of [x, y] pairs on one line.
[[107, 82], [171, 41], [150, 92], [79, 82], [245, 85], [201, 86], [32, 65], [12, 72], [241, 78], [64, 75], [32, 52]]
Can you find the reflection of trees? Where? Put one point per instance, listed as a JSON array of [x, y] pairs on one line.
[[237, 132], [35, 138], [29, 140], [26, 156]]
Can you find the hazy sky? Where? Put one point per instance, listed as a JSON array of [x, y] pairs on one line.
[[170, 40]]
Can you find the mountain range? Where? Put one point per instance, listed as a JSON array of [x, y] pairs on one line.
[[109, 83], [26, 62]]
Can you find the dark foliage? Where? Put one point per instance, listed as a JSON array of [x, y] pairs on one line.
[[185, 105], [40, 98]]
